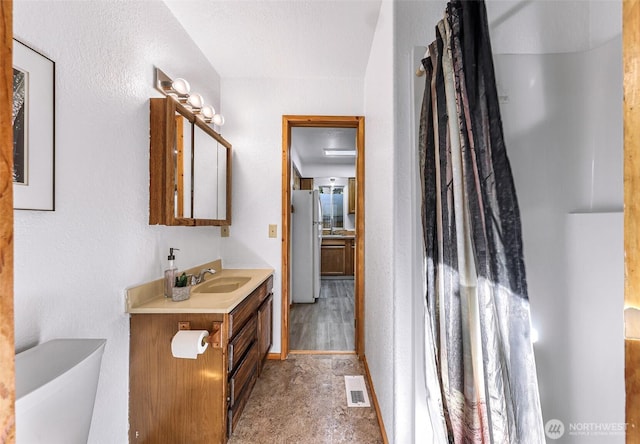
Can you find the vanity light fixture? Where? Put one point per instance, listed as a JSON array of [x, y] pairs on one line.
[[195, 101], [218, 119], [180, 90], [339, 152], [208, 112], [181, 86]]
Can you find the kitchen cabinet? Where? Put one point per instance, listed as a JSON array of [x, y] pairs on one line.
[[337, 256], [306, 183], [352, 195], [197, 400]]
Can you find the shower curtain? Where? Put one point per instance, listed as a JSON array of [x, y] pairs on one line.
[[480, 367]]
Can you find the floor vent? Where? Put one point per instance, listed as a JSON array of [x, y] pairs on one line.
[[357, 395]]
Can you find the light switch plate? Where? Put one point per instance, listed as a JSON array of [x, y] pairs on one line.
[[224, 231], [273, 230]]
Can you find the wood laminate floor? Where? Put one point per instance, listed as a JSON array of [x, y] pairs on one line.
[[302, 401], [327, 324]]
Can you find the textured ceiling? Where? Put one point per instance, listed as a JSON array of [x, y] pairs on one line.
[[332, 38], [281, 39], [329, 38], [309, 145]]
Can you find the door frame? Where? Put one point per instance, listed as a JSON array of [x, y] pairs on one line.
[[288, 122], [631, 122], [7, 341]]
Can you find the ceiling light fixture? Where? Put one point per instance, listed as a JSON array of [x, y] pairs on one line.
[[339, 152], [180, 90]]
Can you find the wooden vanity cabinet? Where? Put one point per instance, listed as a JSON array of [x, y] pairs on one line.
[[196, 400]]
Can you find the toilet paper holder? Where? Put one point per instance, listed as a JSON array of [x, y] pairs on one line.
[[215, 337]]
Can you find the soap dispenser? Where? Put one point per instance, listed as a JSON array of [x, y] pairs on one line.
[[170, 274]]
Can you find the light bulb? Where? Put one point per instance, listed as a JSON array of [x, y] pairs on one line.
[[208, 112], [181, 87], [218, 119], [195, 101]]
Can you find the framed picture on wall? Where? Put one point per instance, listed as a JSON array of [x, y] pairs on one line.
[[33, 119]]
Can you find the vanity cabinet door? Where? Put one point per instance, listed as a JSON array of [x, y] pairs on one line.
[[167, 396], [265, 331]]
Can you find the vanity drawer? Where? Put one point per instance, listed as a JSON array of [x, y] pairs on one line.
[[267, 288], [233, 414], [243, 312], [239, 379], [241, 343]]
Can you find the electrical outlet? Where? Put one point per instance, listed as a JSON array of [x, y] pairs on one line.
[[224, 231], [273, 230]]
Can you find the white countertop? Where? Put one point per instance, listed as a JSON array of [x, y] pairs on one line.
[[149, 298]]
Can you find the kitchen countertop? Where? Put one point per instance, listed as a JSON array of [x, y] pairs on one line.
[[149, 298], [338, 236]]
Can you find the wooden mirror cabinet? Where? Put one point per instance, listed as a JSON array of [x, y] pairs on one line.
[[189, 168]]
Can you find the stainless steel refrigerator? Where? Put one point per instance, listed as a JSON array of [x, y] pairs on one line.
[[306, 230]]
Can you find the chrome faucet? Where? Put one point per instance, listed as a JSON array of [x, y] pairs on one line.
[[197, 279]]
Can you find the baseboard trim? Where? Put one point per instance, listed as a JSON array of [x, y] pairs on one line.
[[322, 352], [374, 398], [274, 357]]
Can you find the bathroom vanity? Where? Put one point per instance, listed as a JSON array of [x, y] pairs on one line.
[[199, 400]]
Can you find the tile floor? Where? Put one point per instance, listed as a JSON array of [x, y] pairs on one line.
[[302, 400]]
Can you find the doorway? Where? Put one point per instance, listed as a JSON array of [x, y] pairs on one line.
[[332, 224]]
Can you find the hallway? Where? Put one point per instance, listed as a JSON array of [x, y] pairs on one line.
[[302, 400], [327, 324]]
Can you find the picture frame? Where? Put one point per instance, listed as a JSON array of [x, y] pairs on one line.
[[33, 120]]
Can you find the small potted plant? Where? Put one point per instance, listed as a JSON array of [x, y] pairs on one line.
[[182, 290]]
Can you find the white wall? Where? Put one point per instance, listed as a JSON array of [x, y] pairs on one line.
[[72, 265], [415, 22], [253, 109], [569, 25], [329, 170], [381, 197], [563, 132]]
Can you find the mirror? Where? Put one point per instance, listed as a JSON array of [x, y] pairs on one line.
[[190, 168]]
